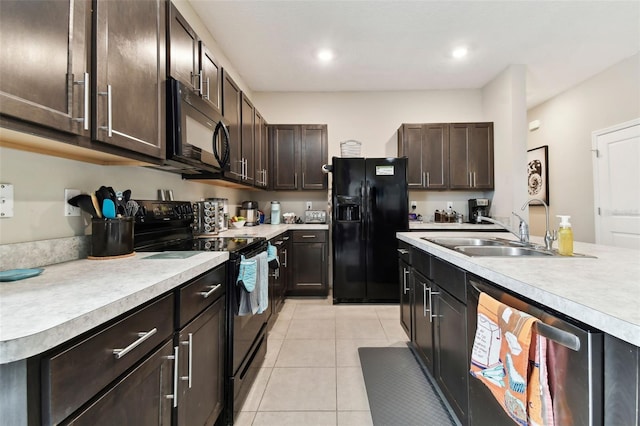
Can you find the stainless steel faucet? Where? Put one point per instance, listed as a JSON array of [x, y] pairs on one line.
[[523, 229], [549, 237]]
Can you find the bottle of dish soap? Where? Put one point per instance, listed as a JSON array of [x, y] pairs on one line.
[[565, 237]]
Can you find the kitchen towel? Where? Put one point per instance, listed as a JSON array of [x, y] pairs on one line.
[[538, 392], [272, 257], [263, 282], [500, 355], [253, 285]]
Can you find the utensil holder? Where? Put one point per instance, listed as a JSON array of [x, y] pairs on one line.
[[111, 237]]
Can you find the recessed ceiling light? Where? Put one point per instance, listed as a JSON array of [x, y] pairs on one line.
[[459, 52], [325, 55]]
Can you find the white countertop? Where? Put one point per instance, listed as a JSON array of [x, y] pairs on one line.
[[465, 226], [68, 299], [602, 292]]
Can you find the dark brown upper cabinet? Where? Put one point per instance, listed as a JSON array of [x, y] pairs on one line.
[[191, 62], [45, 63], [427, 148], [448, 155], [471, 156], [260, 152], [297, 154], [231, 106], [247, 140], [129, 68]]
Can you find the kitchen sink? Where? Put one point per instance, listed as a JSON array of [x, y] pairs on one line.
[[502, 251], [465, 241]]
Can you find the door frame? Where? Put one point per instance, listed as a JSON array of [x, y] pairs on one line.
[[596, 192]]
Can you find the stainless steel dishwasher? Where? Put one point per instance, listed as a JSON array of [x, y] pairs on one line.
[[575, 356]]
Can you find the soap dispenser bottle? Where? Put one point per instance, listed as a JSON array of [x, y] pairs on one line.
[[565, 237]]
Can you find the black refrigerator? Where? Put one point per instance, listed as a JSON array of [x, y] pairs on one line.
[[369, 205]]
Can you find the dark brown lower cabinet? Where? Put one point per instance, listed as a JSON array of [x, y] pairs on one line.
[[423, 327], [142, 397], [201, 367], [309, 260]]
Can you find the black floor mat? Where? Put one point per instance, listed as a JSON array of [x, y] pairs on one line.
[[400, 394]]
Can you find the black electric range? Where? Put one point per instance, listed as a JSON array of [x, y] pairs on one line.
[[162, 226]]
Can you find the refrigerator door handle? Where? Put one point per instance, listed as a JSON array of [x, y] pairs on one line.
[[369, 210], [363, 235]]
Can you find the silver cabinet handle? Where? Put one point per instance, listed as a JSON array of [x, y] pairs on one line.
[[428, 180], [109, 126], [404, 277], [403, 251], [190, 344], [85, 118], [142, 336], [265, 177], [303, 179], [431, 316], [295, 180], [174, 395], [285, 238], [285, 258], [208, 85], [424, 300], [309, 236], [424, 179], [200, 78], [279, 243], [213, 288]]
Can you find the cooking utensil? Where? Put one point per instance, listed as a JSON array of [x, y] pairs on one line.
[[131, 208], [85, 203], [109, 209]]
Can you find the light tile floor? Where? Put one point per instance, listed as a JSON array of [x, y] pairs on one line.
[[311, 375]]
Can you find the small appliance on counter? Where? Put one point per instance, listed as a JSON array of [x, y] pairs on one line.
[[249, 210], [210, 216], [315, 216], [478, 207]]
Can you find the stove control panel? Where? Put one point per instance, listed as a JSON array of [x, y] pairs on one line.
[[315, 216], [161, 211]]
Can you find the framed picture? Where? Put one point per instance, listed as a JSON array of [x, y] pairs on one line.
[[538, 174]]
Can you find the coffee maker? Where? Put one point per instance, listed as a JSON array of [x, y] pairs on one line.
[[249, 210], [478, 207]]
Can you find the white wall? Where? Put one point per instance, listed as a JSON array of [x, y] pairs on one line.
[[567, 121], [504, 103]]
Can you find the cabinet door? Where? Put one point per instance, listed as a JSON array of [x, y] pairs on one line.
[[284, 154], [423, 328], [130, 75], [201, 367], [452, 361], [43, 63], [183, 50], [406, 297], [459, 174], [260, 151], [435, 156], [247, 140], [211, 77], [481, 155], [140, 398], [411, 147], [313, 155], [231, 110], [309, 270]]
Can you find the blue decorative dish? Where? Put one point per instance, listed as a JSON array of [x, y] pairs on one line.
[[19, 274]]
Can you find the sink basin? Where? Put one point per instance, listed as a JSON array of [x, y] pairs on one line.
[[465, 241], [501, 251]]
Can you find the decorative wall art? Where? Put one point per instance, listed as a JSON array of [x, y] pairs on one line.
[[538, 174]]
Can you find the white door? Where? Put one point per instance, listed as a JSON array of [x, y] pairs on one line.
[[616, 171]]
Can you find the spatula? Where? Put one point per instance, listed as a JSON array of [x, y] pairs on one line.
[[108, 209]]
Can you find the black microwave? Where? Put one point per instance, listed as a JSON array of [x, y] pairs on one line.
[[197, 135]]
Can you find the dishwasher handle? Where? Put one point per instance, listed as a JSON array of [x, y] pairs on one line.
[[564, 338]]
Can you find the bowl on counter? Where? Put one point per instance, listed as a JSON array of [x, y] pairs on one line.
[[238, 224]]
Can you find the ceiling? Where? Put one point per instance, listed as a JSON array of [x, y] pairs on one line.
[[387, 45]]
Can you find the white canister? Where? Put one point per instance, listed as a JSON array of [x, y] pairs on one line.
[[275, 212]]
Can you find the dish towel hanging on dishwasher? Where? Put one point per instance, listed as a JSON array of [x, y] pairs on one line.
[[500, 359], [253, 285]]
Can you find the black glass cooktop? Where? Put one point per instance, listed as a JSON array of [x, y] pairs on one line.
[[230, 244]]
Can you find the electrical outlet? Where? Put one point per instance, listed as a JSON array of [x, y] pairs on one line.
[[309, 205], [69, 210], [414, 205], [449, 205]]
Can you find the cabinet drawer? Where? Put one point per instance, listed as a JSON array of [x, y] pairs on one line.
[[309, 236], [404, 252], [75, 375], [194, 297], [421, 261], [449, 278]]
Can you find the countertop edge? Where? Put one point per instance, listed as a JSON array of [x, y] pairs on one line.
[[602, 320], [20, 347]]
